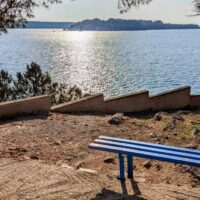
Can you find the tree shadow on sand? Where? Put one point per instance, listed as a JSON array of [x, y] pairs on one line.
[[23, 117], [106, 194]]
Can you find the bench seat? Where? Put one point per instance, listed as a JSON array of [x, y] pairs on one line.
[[132, 148]]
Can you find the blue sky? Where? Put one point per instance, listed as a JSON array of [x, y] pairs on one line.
[[173, 11]]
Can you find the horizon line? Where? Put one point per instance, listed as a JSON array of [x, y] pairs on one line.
[[111, 18]]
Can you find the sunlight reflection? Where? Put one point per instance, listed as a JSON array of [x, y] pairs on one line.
[[81, 54], [80, 35]]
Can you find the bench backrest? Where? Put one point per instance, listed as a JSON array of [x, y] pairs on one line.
[[148, 150]]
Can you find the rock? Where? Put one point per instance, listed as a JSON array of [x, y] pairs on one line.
[[195, 132], [193, 185], [153, 135], [157, 140], [57, 143], [116, 119], [79, 164], [171, 125], [158, 167], [66, 166], [157, 117], [183, 112], [88, 170], [147, 164], [120, 115], [109, 160], [191, 146], [178, 117], [26, 157], [34, 157]]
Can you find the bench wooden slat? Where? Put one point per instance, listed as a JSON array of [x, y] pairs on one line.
[[148, 149], [159, 146], [145, 154]]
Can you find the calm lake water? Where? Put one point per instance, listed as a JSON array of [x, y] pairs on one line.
[[114, 63]]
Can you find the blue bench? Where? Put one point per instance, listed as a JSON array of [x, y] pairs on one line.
[[131, 148]]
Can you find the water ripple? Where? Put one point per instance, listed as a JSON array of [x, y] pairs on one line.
[[110, 62]]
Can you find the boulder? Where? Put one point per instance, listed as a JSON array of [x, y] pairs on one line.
[[109, 160], [116, 119], [34, 157], [147, 164], [153, 135], [157, 117]]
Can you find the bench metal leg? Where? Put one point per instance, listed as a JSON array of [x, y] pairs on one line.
[[121, 165], [130, 166]]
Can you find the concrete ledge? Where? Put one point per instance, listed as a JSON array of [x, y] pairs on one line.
[[25, 106], [136, 102], [128, 103], [174, 99], [94, 103], [195, 100]]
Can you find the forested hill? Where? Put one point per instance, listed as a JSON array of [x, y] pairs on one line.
[[47, 25], [126, 25]]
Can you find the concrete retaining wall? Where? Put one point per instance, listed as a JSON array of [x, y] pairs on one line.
[[25, 106], [141, 101], [94, 103], [174, 99], [195, 101], [128, 103]]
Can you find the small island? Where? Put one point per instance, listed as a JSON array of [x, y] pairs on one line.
[[126, 25]]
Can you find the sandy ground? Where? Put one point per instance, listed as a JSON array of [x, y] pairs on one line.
[[45, 157]]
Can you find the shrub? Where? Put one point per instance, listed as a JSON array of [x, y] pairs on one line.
[[5, 86], [33, 82]]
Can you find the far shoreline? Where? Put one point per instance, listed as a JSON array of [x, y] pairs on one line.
[[101, 30]]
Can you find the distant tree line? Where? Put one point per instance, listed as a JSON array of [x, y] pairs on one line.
[[15, 13], [126, 25], [33, 82]]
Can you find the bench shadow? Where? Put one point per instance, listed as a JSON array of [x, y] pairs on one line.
[[194, 173], [107, 194]]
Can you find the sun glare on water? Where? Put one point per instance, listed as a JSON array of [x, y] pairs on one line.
[[82, 36], [77, 53]]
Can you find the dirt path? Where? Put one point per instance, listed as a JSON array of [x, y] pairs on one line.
[[36, 152], [36, 180]]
